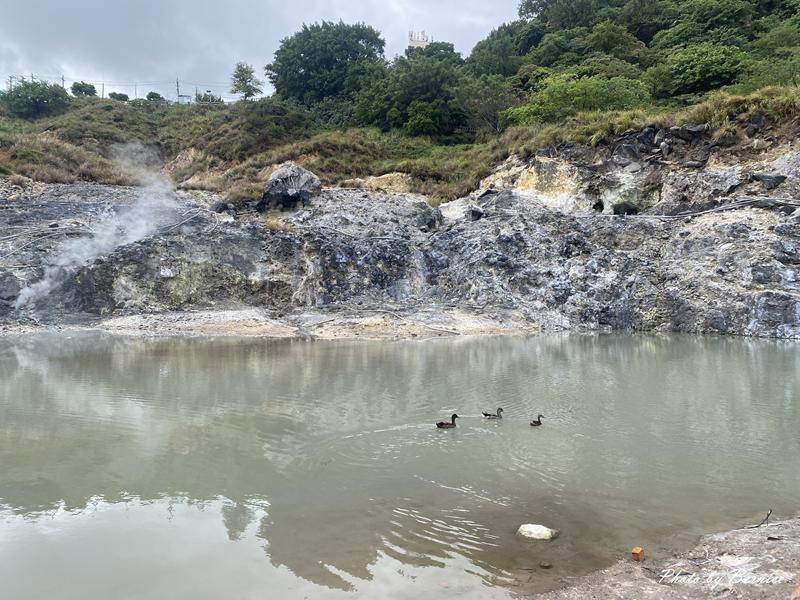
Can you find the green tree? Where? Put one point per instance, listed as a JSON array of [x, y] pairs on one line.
[[81, 88], [530, 9], [615, 40], [154, 97], [529, 36], [498, 54], [530, 78], [244, 81], [566, 14], [697, 68], [700, 21], [33, 99], [207, 98], [777, 39], [645, 18], [119, 97], [326, 60], [484, 98], [561, 14], [423, 78], [605, 66], [562, 47]]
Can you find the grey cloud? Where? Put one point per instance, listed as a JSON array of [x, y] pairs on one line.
[[152, 42]]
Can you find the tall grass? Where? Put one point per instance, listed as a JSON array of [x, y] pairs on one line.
[[238, 145]]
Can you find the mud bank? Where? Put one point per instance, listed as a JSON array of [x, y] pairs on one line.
[[749, 564]]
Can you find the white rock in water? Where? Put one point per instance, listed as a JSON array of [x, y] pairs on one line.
[[537, 532]]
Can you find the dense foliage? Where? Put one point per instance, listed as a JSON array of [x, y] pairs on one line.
[[561, 57], [81, 88], [326, 60], [33, 99]]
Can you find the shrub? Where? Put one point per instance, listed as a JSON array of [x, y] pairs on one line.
[[119, 97], [81, 88], [33, 99], [698, 68], [154, 97], [564, 96]]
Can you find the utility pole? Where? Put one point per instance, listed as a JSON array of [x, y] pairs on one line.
[[10, 83], [135, 91], [62, 82], [103, 93], [178, 89]]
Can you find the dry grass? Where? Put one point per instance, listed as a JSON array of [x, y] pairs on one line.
[[276, 225], [19, 181], [47, 158], [239, 145]]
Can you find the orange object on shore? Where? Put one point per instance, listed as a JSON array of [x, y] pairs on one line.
[[638, 554]]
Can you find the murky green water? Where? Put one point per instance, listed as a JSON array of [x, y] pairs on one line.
[[254, 469]]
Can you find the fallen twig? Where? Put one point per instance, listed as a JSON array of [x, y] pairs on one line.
[[31, 243], [769, 514], [168, 228]]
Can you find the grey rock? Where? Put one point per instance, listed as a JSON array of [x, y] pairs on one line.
[[9, 287], [769, 180], [221, 207], [289, 186], [475, 213]]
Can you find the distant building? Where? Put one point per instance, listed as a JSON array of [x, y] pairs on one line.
[[418, 39]]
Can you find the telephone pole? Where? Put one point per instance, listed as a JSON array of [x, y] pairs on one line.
[[178, 88], [10, 83], [103, 88], [62, 82]]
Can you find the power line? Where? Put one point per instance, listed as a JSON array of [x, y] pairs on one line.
[[220, 89]]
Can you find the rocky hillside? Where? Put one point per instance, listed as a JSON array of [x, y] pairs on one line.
[[657, 230]]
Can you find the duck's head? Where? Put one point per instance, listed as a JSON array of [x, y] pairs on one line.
[[499, 411], [540, 417], [454, 417]]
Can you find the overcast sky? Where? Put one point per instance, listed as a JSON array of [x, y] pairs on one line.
[[153, 41]]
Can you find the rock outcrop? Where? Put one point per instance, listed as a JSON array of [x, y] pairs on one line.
[[540, 252], [288, 186]]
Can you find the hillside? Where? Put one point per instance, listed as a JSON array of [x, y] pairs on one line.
[[564, 72]]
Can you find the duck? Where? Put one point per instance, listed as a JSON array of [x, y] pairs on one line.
[[538, 421], [498, 415], [446, 425]]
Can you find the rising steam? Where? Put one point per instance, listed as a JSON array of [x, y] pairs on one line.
[[154, 207]]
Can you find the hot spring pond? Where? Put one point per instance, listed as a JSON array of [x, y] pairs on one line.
[[184, 468]]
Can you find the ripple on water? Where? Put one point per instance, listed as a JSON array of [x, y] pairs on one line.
[[320, 469]]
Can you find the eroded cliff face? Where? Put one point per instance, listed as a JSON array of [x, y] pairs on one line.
[[540, 241]]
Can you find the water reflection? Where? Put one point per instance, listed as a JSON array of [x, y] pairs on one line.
[[323, 458]]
